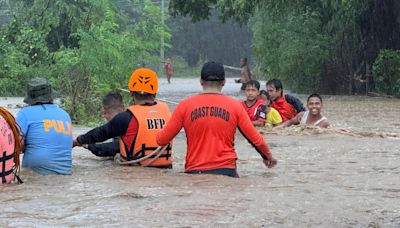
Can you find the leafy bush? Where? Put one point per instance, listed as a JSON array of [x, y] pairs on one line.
[[386, 71], [85, 48]]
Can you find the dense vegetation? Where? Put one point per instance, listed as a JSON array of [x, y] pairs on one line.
[[83, 47], [325, 45], [89, 47]]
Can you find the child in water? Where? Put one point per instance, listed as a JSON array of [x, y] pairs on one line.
[[273, 116]]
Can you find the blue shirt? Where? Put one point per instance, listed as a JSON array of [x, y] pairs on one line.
[[48, 139]]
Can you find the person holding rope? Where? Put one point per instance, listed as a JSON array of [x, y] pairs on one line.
[[10, 148], [245, 73], [138, 126], [210, 120], [168, 69], [112, 105], [47, 129]]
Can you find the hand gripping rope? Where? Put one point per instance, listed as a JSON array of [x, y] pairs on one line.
[[157, 152]]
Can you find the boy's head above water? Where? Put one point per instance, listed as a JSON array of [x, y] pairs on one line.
[[252, 90]]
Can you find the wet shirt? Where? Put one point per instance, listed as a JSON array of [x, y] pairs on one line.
[[273, 117], [210, 121], [256, 112], [48, 139], [286, 110], [123, 124]]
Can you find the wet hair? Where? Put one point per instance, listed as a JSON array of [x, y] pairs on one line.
[[253, 83], [314, 95], [113, 101], [276, 83], [264, 92]]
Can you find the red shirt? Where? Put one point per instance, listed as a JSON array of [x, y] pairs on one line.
[[168, 68], [210, 121], [256, 112], [286, 110]]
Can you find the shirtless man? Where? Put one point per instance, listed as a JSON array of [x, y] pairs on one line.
[[245, 74], [312, 116]]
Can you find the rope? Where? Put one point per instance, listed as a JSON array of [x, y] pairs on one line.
[[159, 99], [119, 160], [17, 137]]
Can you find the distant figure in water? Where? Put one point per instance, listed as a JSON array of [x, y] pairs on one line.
[[312, 116], [245, 73], [168, 69], [112, 105], [210, 120]]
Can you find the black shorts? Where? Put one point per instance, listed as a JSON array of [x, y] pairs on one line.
[[222, 171]]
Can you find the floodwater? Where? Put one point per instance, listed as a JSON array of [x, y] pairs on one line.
[[323, 179]]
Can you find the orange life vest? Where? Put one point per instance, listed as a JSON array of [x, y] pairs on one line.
[[7, 142], [151, 119]]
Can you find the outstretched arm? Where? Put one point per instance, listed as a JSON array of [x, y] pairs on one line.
[[255, 138], [172, 128], [106, 149], [294, 121], [117, 126]]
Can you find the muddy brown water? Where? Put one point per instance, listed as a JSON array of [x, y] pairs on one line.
[[323, 179]]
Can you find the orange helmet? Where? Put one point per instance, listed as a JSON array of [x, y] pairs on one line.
[[143, 80]]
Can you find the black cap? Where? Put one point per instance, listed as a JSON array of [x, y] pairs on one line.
[[212, 71]]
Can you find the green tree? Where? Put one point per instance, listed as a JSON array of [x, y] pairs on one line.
[[310, 43], [84, 47], [386, 70]]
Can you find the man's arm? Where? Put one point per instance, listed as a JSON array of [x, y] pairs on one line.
[[261, 116], [254, 138], [258, 123], [172, 128], [324, 124], [117, 126], [107, 149], [294, 121]]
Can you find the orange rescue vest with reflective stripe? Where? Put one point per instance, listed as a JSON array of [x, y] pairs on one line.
[[6, 152], [151, 119]]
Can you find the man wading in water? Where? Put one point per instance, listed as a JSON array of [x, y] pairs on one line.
[[138, 125], [245, 74], [112, 105], [210, 120], [312, 116]]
